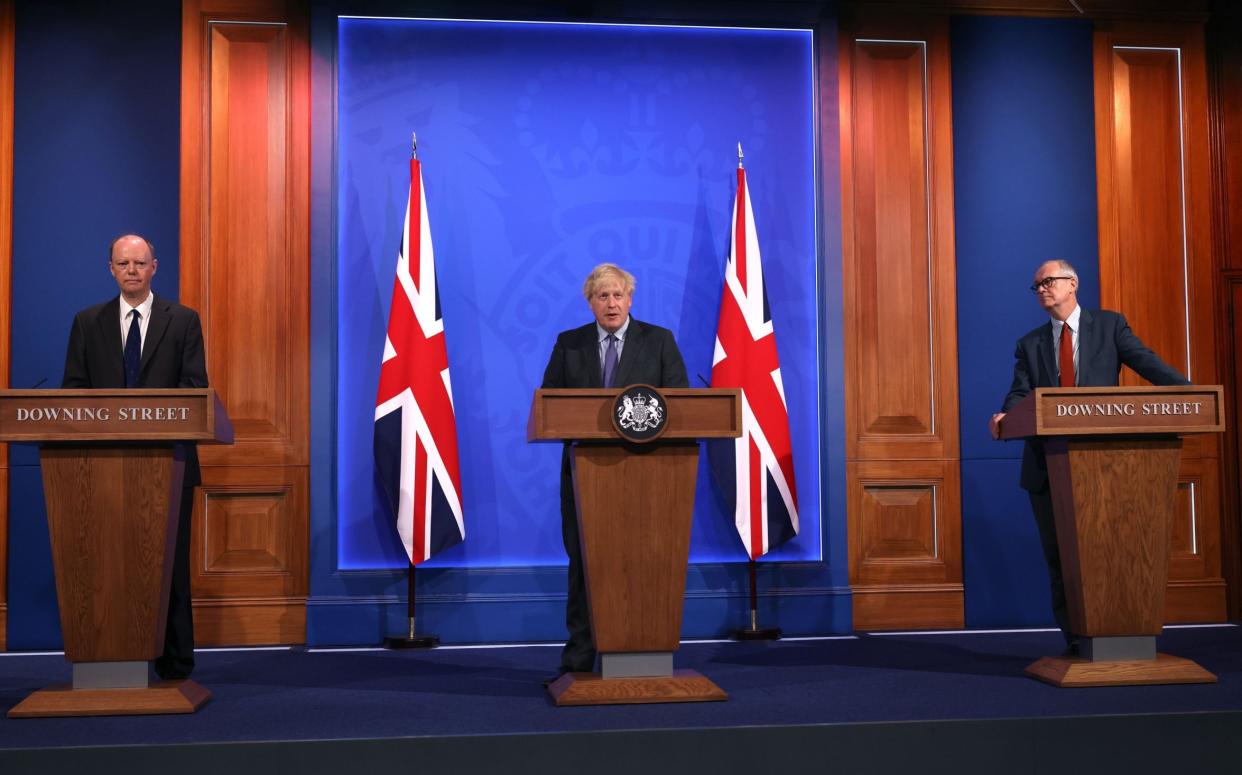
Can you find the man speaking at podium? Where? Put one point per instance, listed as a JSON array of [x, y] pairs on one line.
[[614, 351], [1074, 348], [138, 341]]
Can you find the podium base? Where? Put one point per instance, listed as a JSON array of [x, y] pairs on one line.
[[161, 697], [593, 689], [1075, 671]]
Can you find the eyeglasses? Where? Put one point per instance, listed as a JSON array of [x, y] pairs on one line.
[[1047, 282]]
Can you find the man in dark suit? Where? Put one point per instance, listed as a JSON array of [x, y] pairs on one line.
[[614, 351], [1091, 355], [138, 341]]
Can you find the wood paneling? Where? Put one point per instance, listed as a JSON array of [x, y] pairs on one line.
[[245, 259], [1226, 126], [1184, 10], [1156, 260], [900, 323], [249, 532], [905, 543], [1231, 523], [7, 38]]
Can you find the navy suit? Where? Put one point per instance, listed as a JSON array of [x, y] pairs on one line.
[[1105, 344], [172, 357], [649, 356]]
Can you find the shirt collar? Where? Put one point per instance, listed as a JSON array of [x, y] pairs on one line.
[[144, 308], [1072, 320], [619, 333]]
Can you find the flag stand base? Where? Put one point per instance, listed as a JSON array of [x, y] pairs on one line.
[[411, 641], [756, 633]]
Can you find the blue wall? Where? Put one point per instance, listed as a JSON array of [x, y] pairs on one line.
[[1024, 185], [96, 154]]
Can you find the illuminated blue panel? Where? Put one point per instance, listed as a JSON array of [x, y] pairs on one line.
[[548, 148]]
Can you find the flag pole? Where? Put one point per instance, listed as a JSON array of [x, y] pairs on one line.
[[754, 631], [411, 639]]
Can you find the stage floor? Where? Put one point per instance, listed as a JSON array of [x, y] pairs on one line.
[[455, 695]]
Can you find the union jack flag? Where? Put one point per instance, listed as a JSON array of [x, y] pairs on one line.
[[754, 472], [415, 430]]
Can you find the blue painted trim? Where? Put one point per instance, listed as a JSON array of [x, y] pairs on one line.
[[831, 315]]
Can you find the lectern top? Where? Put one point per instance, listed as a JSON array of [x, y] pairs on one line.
[[137, 414], [1106, 411], [584, 414]]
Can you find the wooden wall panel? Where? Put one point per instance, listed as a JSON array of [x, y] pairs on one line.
[[245, 259], [1156, 259], [900, 321], [7, 39], [1231, 522], [1226, 127]]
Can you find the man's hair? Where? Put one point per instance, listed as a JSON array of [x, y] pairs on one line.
[[112, 244], [1066, 267], [604, 272]]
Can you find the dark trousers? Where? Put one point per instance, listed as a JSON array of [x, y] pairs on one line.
[[177, 661], [1041, 505], [578, 656]]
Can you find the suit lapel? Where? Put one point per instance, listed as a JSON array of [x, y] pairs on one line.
[[634, 342], [109, 325], [589, 344], [1047, 365], [156, 328], [1086, 345]]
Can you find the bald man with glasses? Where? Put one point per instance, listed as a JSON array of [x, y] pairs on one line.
[[1076, 347]]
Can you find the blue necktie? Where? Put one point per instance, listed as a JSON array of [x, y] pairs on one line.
[[610, 360], [133, 351]]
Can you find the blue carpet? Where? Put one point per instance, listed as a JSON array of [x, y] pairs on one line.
[[301, 695]]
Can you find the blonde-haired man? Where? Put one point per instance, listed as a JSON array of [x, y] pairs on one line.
[[613, 351]]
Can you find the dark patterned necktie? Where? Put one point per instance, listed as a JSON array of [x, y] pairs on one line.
[[1066, 356], [133, 351], [610, 360]]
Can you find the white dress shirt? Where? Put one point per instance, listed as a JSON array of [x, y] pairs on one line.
[[144, 309]]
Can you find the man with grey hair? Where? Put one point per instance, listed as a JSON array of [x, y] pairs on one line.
[[1076, 347], [613, 351]]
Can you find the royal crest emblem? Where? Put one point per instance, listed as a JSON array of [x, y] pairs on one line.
[[640, 413]]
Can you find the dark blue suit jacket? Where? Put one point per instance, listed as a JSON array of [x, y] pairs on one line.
[[650, 357], [172, 354], [1105, 344]]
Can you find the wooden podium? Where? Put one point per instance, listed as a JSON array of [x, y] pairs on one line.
[[112, 475], [634, 503], [1112, 456]]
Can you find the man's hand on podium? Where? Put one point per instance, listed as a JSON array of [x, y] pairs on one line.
[[995, 425]]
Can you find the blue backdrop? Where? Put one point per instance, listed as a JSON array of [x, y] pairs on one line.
[[546, 149], [96, 128], [1024, 189]]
